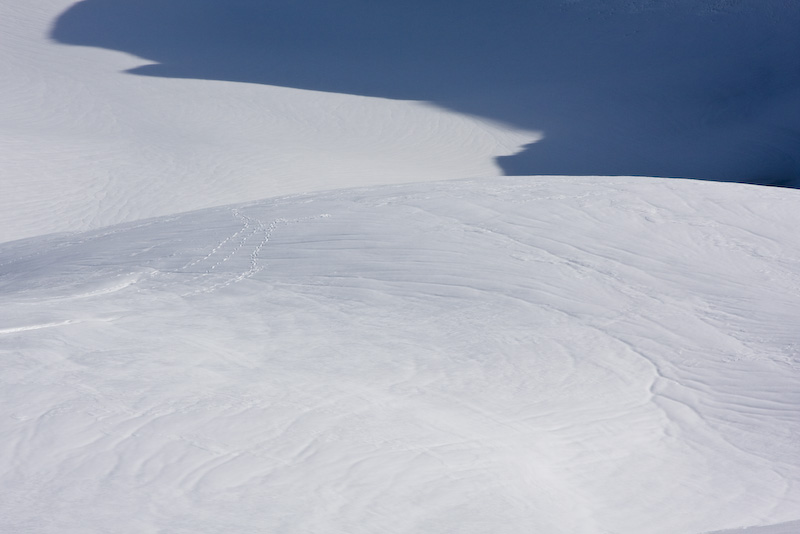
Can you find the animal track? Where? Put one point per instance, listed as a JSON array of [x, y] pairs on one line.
[[226, 252]]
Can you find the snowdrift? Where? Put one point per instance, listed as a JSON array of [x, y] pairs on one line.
[[562, 355], [576, 355]]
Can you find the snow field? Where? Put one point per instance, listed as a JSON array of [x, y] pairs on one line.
[[580, 355], [558, 355]]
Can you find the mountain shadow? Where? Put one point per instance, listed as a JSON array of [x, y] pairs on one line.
[[684, 88]]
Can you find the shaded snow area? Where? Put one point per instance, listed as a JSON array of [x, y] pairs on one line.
[[259, 272], [162, 106], [614, 87], [558, 355]]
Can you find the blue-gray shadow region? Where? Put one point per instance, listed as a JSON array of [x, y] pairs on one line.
[[684, 89]]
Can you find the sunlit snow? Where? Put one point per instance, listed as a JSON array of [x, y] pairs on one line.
[[235, 307]]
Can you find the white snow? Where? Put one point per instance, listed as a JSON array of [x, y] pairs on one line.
[[324, 346], [506, 355], [784, 528], [84, 145]]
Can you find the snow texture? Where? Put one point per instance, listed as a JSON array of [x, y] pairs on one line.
[[258, 272], [556, 355]]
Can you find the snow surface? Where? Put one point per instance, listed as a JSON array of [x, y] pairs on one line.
[[784, 528], [509, 355], [576, 355], [84, 145]]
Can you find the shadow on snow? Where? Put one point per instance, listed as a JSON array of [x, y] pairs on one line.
[[695, 89]]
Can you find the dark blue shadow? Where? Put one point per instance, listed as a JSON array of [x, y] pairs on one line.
[[688, 90]]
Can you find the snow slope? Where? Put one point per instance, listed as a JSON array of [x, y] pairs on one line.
[[83, 144], [559, 355], [390, 93], [784, 528], [583, 355]]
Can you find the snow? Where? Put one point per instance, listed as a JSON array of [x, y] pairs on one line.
[[784, 528], [275, 307], [565, 355], [614, 87], [86, 146]]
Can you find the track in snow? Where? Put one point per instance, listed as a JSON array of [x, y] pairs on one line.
[[567, 355]]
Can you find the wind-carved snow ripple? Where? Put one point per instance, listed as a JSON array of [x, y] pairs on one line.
[[229, 249]]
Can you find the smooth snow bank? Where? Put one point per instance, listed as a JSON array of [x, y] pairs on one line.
[[84, 144], [553, 355]]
